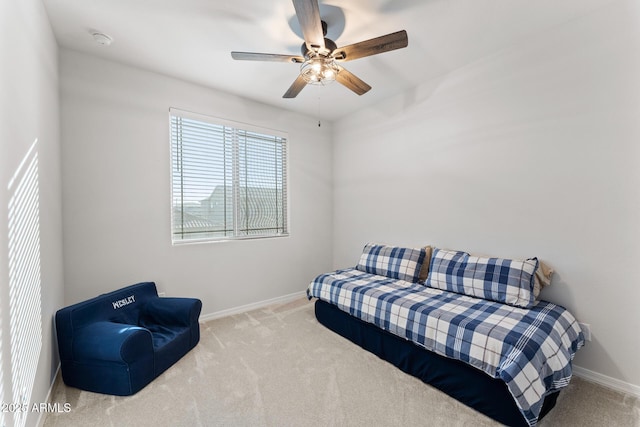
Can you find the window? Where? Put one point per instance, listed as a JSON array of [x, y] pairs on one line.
[[229, 180]]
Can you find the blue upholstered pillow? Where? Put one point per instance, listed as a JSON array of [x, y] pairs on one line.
[[392, 261], [497, 279]]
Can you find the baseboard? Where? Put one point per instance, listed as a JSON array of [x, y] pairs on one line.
[[43, 415], [252, 306], [606, 381]]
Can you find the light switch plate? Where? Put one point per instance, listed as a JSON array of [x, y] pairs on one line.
[[586, 330]]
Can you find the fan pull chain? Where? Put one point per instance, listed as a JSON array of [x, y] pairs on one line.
[[319, 112]]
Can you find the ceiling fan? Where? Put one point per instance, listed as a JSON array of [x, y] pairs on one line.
[[321, 56]]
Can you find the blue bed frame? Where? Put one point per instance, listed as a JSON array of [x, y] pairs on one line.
[[464, 383]]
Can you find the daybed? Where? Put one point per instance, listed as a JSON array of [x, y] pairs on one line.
[[470, 326]]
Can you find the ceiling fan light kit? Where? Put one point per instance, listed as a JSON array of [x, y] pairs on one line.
[[319, 71], [320, 55]]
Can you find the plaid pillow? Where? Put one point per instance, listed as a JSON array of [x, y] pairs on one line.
[[503, 280], [392, 261]]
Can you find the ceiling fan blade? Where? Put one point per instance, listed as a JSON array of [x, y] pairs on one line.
[[295, 88], [308, 14], [349, 80], [273, 57], [381, 44]]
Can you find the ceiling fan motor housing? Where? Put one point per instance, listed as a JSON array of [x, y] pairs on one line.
[[329, 46]]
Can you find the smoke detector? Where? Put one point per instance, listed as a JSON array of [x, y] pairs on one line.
[[101, 38]]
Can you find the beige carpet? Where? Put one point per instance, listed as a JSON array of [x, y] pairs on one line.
[[279, 367]]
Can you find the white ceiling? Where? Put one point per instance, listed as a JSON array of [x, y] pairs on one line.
[[192, 40]]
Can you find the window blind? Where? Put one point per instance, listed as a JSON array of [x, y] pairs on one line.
[[228, 180]]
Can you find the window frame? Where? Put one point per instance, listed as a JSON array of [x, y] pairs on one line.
[[241, 127]]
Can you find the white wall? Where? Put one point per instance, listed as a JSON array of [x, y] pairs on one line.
[[29, 110], [116, 192], [532, 151]]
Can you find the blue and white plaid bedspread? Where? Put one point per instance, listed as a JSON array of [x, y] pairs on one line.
[[529, 349]]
